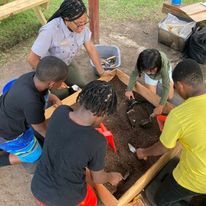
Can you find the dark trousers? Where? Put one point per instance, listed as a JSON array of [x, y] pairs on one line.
[[75, 76], [170, 193], [165, 191]]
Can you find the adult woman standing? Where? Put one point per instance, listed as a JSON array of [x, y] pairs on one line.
[[63, 36]]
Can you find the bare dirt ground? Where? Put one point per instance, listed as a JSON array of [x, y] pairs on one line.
[[130, 36]]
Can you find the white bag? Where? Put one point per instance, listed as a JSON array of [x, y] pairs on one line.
[[176, 26]]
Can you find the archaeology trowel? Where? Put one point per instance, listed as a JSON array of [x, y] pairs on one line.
[[132, 148], [126, 175], [147, 123]]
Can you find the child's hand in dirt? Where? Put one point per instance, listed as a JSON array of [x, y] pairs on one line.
[[115, 178], [158, 110], [141, 154], [129, 94]]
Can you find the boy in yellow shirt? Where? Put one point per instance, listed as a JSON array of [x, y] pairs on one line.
[[185, 124]]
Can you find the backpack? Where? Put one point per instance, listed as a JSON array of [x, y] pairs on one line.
[[195, 47]]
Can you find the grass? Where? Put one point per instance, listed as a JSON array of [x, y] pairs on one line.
[[24, 25], [132, 9], [21, 26]]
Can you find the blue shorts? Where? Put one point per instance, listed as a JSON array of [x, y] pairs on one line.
[[25, 147]]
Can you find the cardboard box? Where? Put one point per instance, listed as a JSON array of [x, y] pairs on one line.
[[193, 12]]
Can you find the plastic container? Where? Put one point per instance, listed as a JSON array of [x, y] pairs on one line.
[[108, 135], [90, 199], [176, 2], [7, 86], [106, 51], [161, 121]]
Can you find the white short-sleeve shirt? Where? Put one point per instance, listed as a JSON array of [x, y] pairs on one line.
[[55, 39]]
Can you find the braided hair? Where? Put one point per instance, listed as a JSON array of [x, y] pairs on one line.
[[99, 97], [72, 9]]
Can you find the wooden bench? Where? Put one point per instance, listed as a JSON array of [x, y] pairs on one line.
[[17, 6]]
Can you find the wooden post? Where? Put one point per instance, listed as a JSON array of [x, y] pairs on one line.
[[94, 19]]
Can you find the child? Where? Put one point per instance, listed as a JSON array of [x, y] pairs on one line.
[[72, 144], [22, 108], [156, 68], [185, 125]]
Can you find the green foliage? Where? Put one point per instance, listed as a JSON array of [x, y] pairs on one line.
[[17, 28], [24, 25], [133, 9]]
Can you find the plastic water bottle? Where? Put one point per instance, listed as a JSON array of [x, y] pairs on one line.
[[176, 2]]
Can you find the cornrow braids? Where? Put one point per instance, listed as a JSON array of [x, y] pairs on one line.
[[72, 9], [98, 97]]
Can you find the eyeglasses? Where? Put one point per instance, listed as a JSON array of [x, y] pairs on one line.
[[80, 25]]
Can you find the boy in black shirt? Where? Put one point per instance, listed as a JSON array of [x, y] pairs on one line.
[[72, 144], [22, 107]]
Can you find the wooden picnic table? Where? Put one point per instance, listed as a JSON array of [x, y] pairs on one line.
[[14, 7]]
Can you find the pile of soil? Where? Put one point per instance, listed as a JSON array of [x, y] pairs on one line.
[[125, 161]]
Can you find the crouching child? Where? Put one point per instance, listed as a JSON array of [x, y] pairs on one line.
[[72, 144], [22, 109]]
